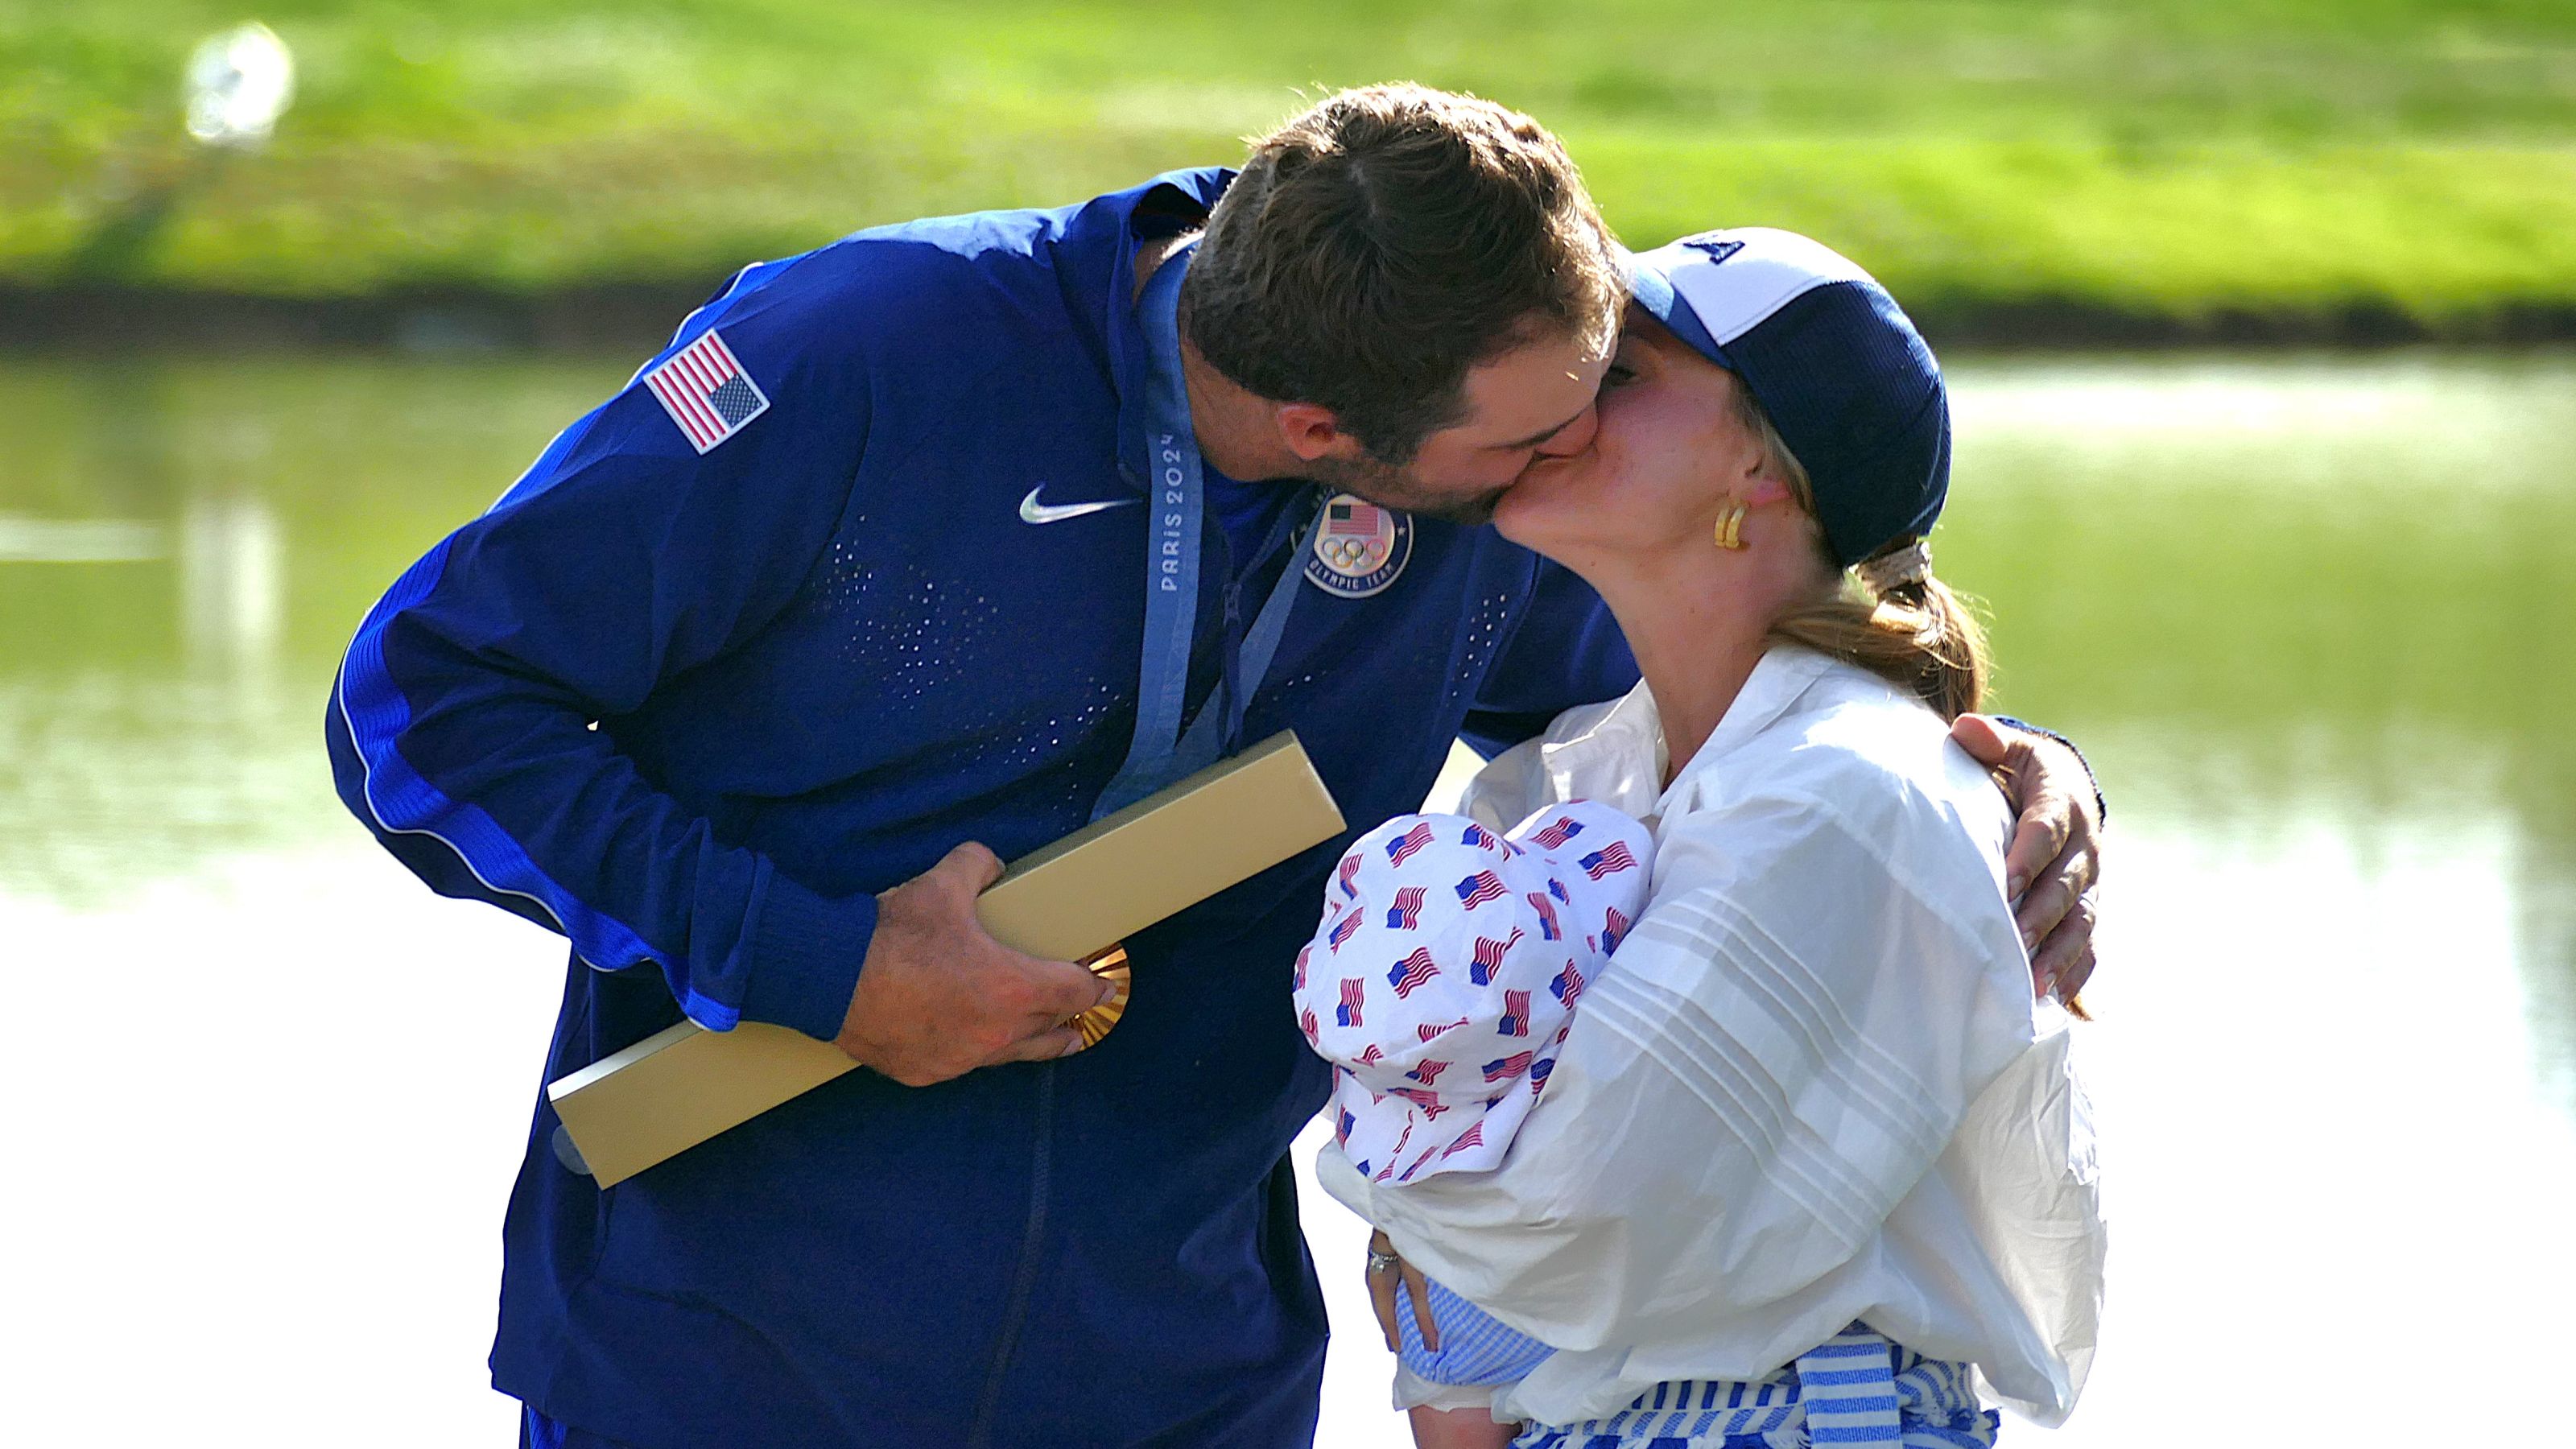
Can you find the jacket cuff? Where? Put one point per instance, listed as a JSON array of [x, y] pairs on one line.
[[2101, 804], [806, 952]]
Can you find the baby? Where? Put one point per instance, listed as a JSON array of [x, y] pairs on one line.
[[1440, 985]]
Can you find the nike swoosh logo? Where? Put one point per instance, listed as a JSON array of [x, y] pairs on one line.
[[1032, 511]]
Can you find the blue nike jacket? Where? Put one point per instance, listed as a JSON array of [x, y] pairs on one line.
[[692, 709]]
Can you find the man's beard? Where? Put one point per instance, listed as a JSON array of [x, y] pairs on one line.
[[1389, 485]]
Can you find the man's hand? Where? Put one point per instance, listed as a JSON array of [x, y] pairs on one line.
[[938, 997], [2056, 854]]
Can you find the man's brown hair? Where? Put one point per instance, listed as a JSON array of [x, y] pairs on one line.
[[1377, 247]]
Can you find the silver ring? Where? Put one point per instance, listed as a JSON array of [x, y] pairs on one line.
[[1381, 1262]]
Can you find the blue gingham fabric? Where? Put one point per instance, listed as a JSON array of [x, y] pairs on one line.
[[1857, 1389], [1475, 1347]]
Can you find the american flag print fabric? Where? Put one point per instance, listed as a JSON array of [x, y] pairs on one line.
[[1548, 930], [1470, 932], [1608, 860], [706, 391], [1342, 931], [1568, 984], [1614, 929]]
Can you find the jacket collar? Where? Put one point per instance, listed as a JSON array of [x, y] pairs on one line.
[[1164, 206]]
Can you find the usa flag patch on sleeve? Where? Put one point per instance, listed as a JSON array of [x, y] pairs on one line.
[[706, 391]]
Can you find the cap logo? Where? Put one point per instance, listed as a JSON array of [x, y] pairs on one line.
[[1359, 549], [1718, 247]]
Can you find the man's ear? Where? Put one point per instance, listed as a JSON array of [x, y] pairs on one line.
[[1312, 432]]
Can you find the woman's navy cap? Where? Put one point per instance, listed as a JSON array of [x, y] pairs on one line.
[[1837, 366]]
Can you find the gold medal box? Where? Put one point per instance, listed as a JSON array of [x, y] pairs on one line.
[[1075, 900]]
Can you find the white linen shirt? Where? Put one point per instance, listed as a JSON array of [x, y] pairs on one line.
[[1811, 1087]]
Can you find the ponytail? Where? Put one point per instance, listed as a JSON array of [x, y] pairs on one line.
[[1908, 628], [1917, 634]]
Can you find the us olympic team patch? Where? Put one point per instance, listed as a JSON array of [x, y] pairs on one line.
[[1359, 547]]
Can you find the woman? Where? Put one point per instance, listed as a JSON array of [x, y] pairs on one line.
[[1810, 1147]]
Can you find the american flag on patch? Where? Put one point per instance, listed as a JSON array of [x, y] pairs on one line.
[[1405, 846], [1568, 983], [1430, 1029], [1613, 931], [1354, 996], [1406, 913], [1565, 829], [1489, 954], [1343, 930], [1350, 867], [1507, 1067], [1547, 927], [1516, 1013], [1474, 1136], [1479, 888], [706, 391], [1428, 1073], [1608, 860], [1411, 972], [1351, 518]]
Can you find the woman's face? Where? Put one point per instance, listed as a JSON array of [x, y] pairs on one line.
[[1671, 450]]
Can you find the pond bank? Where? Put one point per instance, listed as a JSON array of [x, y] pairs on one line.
[[639, 316]]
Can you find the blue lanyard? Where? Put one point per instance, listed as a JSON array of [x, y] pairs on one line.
[[1176, 504]]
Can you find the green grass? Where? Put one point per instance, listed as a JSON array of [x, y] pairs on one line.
[[2158, 158]]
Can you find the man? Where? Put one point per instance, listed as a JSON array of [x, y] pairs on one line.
[[898, 547]]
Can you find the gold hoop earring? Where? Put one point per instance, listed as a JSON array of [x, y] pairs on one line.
[[1730, 528]]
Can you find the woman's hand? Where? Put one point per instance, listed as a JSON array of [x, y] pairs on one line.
[[1385, 1271], [2056, 855]]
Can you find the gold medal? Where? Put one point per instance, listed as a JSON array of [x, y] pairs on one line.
[[1094, 1024]]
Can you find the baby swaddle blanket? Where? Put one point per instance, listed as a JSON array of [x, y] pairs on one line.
[[1442, 978]]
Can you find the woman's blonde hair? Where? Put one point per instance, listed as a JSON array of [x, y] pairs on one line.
[[1917, 634]]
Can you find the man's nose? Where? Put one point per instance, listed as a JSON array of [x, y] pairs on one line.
[[1574, 437]]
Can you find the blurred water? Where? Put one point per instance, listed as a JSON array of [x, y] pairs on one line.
[[2308, 615]]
